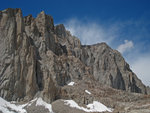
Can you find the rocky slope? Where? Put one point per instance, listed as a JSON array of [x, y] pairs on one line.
[[38, 59]]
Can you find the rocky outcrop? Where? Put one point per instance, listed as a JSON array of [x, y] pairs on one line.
[[40, 59], [110, 68], [17, 57]]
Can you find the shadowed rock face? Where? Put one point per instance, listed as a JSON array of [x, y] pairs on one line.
[[110, 68], [39, 59]]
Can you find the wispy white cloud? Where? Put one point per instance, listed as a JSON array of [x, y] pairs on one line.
[[125, 47], [141, 68], [90, 32]]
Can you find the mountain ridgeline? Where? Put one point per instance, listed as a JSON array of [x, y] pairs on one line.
[[40, 59]]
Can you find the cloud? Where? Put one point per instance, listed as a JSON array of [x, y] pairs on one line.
[[89, 32], [125, 47], [141, 68]]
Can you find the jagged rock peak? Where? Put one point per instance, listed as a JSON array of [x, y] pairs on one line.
[[45, 21], [12, 11], [13, 14]]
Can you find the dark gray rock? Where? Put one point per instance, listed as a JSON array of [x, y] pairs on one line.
[[110, 68], [60, 30]]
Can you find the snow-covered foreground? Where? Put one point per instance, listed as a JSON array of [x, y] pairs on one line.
[[8, 107], [40, 102], [93, 107]]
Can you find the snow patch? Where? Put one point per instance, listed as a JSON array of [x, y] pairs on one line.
[[71, 83], [40, 102], [88, 92], [31, 102], [94, 107], [10, 107], [7, 107], [98, 107]]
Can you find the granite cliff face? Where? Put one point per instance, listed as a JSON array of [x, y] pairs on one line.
[[38, 59]]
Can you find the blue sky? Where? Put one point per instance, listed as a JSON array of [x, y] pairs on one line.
[[93, 9], [123, 24]]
